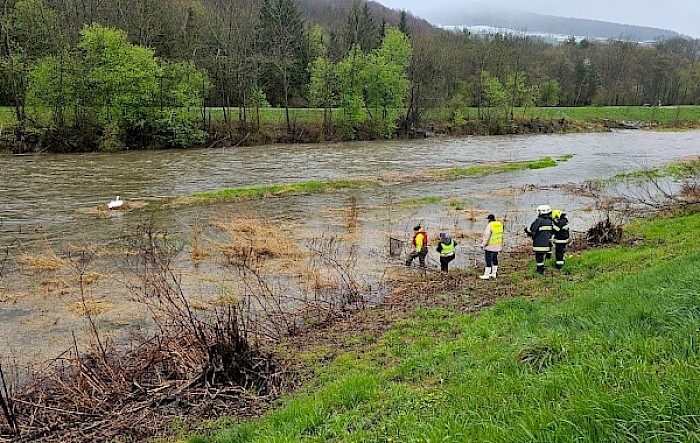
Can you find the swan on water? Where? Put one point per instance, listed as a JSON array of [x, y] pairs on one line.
[[115, 203]]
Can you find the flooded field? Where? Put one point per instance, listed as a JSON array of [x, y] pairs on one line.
[[306, 245]]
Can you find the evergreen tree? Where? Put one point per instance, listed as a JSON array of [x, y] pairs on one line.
[[361, 29], [403, 25]]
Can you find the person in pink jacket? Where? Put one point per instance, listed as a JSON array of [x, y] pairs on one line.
[[492, 244]]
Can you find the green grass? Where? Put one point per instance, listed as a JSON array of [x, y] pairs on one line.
[[415, 202], [665, 115], [276, 115], [316, 186], [610, 355], [450, 173], [565, 157], [678, 171], [7, 117], [271, 190]]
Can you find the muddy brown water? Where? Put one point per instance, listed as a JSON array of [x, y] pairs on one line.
[[51, 201]]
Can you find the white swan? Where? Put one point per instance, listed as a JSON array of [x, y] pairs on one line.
[[114, 204]]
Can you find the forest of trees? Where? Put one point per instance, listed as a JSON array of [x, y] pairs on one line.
[[102, 74]]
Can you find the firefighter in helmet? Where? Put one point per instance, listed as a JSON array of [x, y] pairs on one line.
[[560, 225], [540, 231]]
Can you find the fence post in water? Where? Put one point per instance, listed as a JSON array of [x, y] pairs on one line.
[[396, 246]]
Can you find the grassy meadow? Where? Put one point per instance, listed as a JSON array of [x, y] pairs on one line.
[[664, 115], [605, 350]]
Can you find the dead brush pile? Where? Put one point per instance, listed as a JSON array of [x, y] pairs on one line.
[[255, 241], [105, 392], [604, 232], [690, 192], [192, 363]]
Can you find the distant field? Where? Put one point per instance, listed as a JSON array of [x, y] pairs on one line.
[[274, 115], [662, 114]]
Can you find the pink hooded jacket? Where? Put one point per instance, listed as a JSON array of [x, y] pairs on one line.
[[496, 247]]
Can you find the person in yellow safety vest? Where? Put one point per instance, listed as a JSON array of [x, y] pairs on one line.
[[561, 237], [446, 248], [492, 244], [540, 231], [420, 243]]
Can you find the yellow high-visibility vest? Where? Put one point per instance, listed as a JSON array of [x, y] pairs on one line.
[[447, 250], [496, 233]]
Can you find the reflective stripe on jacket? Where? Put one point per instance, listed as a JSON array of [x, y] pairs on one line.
[[541, 232], [561, 230]]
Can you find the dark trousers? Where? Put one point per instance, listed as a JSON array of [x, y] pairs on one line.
[[491, 258], [560, 249], [539, 260], [445, 262], [421, 257]]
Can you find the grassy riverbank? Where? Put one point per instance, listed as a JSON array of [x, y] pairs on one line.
[[604, 351], [307, 122], [665, 115]]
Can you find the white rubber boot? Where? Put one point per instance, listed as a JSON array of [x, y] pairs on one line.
[[487, 274], [494, 270]]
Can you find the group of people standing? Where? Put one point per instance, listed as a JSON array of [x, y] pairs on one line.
[[551, 227], [446, 248]]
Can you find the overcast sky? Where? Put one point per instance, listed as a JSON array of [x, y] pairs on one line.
[[682, 16]]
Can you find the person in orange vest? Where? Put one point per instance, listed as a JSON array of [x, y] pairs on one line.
[[446, 249], [420, 245], [492, 244]]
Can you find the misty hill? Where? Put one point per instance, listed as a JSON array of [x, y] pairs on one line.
[[486, 15], [333, 14]]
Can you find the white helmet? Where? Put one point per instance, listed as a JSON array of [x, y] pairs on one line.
[[543, 209]]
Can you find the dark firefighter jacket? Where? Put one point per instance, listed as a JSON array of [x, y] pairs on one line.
[[561, 230], [541, 233]]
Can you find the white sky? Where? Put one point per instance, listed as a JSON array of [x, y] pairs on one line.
[[682, 16]]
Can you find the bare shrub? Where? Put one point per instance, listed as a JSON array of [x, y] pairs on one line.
[[198, 253], [653, 189], [353, 213], [187, 362], [604, 232], [283, 285], [327, 254], [690, 192]]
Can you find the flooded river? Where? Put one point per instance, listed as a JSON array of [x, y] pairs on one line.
[[51, 201]]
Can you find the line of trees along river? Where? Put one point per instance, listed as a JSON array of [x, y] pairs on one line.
[[91, 74]]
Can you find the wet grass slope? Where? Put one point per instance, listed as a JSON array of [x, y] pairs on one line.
[[608, 350]]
